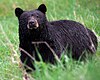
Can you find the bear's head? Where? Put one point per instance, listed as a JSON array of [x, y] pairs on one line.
[[33, 19]]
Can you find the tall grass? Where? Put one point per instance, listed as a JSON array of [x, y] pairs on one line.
[[86, 12]]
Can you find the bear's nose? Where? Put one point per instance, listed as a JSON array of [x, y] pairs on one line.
[[31, 24]]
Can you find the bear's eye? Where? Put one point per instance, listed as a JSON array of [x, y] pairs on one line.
[[37, 16], [32, 15]]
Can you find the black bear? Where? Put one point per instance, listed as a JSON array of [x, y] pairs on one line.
[[60, 35]]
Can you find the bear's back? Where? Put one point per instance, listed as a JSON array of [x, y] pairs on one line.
[[74, 35]]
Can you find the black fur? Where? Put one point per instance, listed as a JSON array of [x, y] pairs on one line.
[[60, 35]]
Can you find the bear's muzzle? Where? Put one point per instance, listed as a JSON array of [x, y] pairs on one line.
[[32, 23]]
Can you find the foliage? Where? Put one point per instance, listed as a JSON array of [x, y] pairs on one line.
[[84, 11]]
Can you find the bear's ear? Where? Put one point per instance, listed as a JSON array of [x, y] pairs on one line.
[[42, 8], [18, 12]]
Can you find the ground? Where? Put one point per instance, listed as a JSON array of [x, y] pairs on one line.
[[78, 11]]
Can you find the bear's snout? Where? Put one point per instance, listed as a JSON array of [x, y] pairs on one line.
[[32, 23]]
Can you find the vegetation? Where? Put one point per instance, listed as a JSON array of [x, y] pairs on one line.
[[85, 11]]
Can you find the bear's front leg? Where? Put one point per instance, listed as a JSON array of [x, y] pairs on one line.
[[26, 56]]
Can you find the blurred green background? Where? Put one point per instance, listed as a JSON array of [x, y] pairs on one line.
[[86, 12]]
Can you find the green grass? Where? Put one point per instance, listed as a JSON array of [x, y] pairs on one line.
[[84, 11]]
